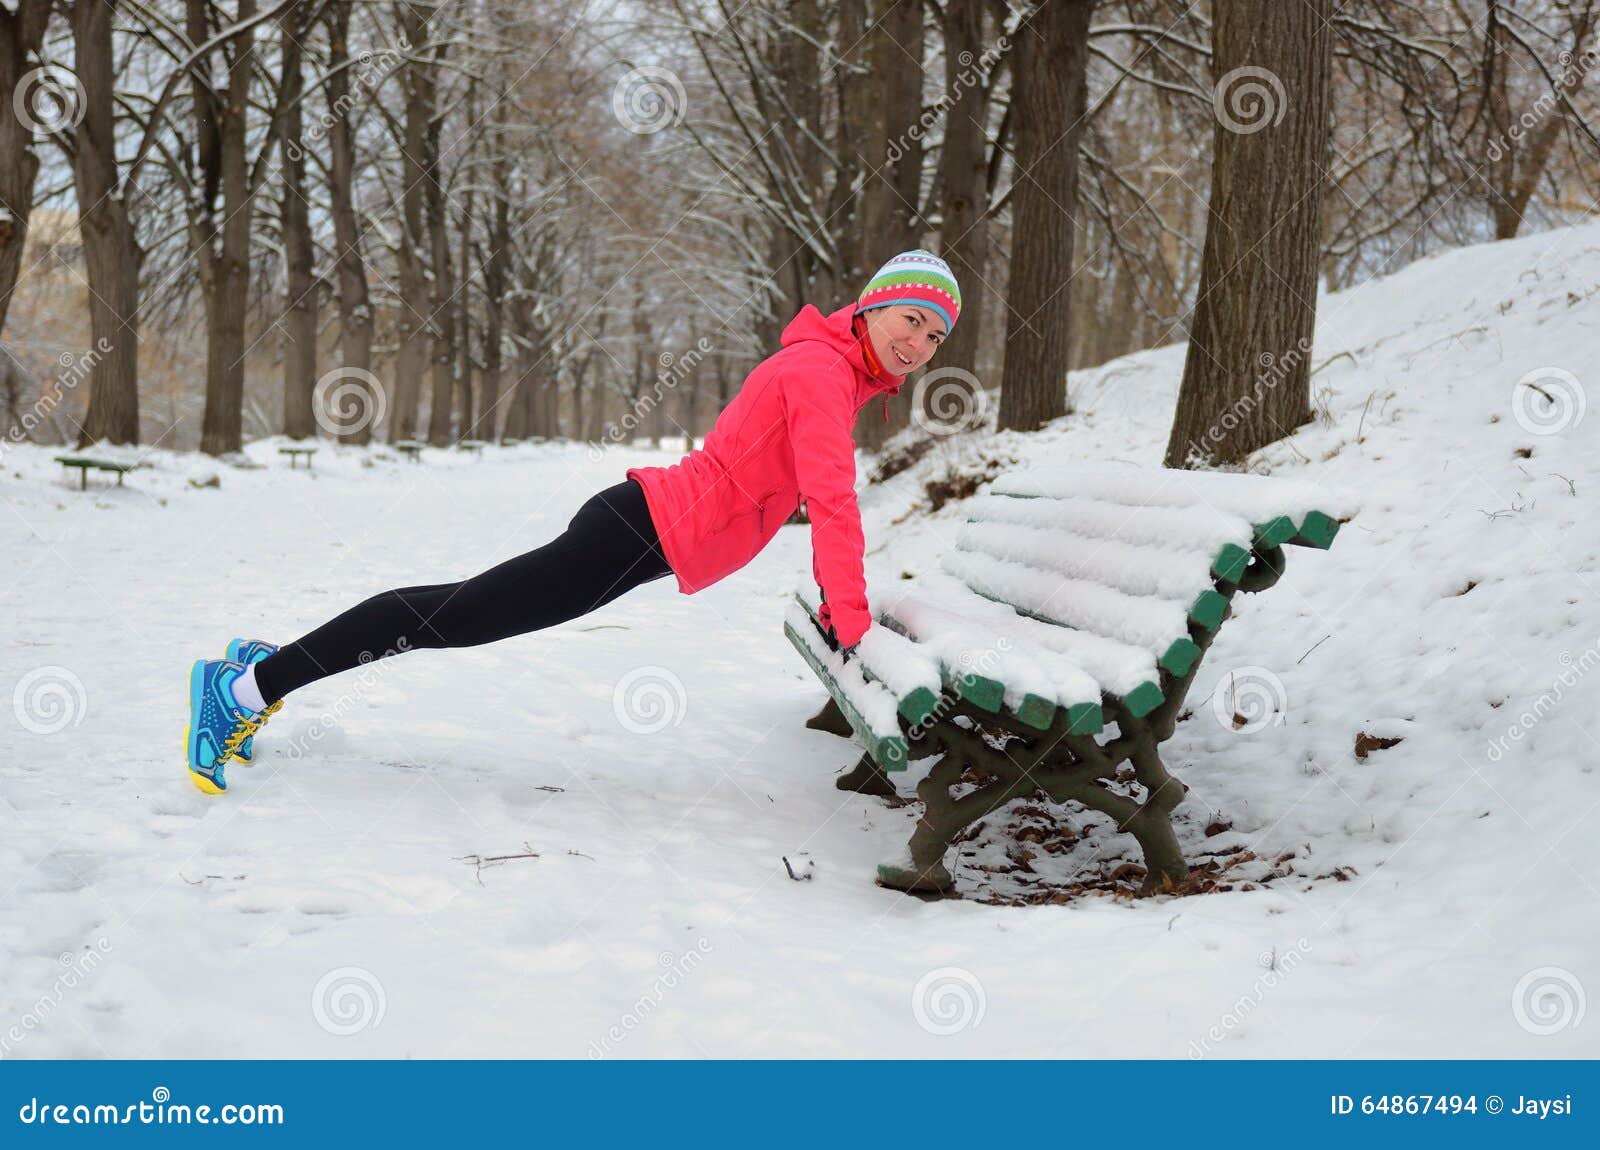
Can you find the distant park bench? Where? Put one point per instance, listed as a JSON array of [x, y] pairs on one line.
[[1074, 598], [294, 454], [475, 446], [84, 463], [411, 449]]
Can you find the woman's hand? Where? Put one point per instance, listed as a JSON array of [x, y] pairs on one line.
[[831, 637]]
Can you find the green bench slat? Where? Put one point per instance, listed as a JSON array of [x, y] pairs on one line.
[[1274, 532], [917, 706], [1316, 530], [1179, 657], [1085, 719], [979, 690], [1143, 699], [1208, 610], [1230, 563], [889, 753], [1036, 712], [1146, 696]]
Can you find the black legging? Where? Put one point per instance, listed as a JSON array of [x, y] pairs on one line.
[[610, 547]]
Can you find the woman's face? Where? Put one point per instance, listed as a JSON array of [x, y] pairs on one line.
[[904, 336]]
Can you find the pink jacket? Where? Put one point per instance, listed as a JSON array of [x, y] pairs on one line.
[[785, 437]]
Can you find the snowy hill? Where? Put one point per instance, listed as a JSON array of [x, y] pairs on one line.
[[369, 887]]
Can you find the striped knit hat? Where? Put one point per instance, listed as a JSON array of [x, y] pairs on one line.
[[915, 277]]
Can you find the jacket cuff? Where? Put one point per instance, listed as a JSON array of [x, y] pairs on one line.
[[850, 624]]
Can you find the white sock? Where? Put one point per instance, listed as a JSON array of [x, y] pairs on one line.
[[246, 691]]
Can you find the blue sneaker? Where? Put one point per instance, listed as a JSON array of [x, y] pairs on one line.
[[244, 652], [218, 722]]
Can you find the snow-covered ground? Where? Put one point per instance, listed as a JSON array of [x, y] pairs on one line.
[[1437, 897]]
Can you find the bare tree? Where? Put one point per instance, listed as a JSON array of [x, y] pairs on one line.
[[964, 173], [1246, 379], [301, 303], [1049, 101], [442, 314], [225, 179], [355, 308], [22, 30], [111, 253]]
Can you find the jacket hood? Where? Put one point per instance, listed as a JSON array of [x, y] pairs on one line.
[[837, 331]]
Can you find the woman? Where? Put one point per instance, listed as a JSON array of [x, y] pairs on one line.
[[786, 437]]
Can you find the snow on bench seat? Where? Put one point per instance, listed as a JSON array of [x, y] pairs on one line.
[[1068, 587], [991, 670], [1287, 510], [1183, 577], [1126, 672], [910, 673], [1180, 528], [1156, 625], [870, 707]]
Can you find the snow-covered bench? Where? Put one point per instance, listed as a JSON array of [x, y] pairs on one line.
[[1056, 645]]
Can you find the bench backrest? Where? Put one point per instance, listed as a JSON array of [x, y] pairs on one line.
[[1070, 587]]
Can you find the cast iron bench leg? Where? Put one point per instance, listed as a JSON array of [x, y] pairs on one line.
[[830, 719], [867, 778]]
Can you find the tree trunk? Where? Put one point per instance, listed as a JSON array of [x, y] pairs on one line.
[[300, 328], [494, 287], [1049, 102], [222, 130], [963, 234], [892, 219], [464, 326], [1246, 379], [411, 324], [111, 255], [855, 101], [21, 33], [516, 399], [442, 322], [496, 276], [355, 311]]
